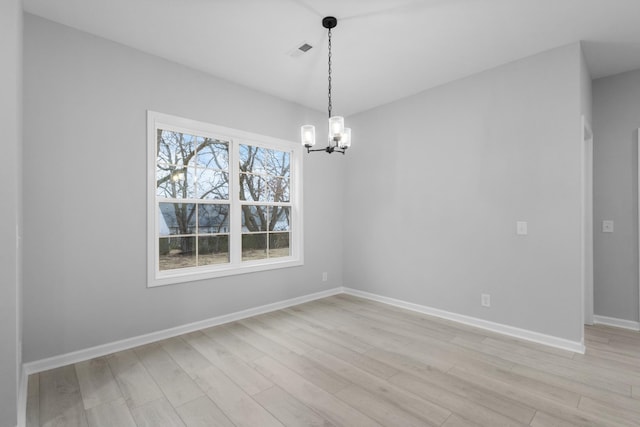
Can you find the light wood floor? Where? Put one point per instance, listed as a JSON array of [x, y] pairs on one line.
[[344, 361]]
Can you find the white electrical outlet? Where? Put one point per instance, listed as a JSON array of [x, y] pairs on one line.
[[607, 226], [324, 276], [521, 228], [485, 300]]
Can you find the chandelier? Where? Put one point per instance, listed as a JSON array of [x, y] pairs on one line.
[[339, 136]]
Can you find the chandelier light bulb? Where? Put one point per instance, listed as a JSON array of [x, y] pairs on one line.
[[345, 140], [308, 135], [336, 127]]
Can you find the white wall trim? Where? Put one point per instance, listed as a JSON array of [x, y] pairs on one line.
[[104, 349], [617, 323], [574, 346]]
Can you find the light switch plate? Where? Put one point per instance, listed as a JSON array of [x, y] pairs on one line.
[[607, 226], [521, 228]]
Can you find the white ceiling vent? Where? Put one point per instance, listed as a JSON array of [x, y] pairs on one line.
[[301, 48]]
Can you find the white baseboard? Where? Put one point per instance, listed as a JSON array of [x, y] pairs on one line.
[[618, 323], [549, 340], [104, 349]]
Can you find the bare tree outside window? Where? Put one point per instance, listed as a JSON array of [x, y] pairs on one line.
[[192, 187], [265, 190]]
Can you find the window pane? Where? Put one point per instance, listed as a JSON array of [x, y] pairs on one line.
[[213, 185], [213, 154], [254, 188], [254, 218], [254, 246], [174, 148], [213, 218], [177, 218], [278, 190], [213, 250], [279, 219], [177, 252], [278, 245], [251, 159], [264, 161], [277, 163], [174, 182]]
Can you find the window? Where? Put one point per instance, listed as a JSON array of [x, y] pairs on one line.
[[221, 201]]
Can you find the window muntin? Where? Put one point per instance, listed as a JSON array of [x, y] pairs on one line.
[[215, 216]]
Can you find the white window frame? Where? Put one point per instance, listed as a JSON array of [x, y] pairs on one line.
[[156, 277]]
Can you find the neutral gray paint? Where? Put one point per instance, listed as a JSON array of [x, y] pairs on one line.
[[616, 122], [85, 192], [10, 116], [586, 107], [431, 204], [586, 92]]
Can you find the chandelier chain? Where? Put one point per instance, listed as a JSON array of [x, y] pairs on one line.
[[329, 107]]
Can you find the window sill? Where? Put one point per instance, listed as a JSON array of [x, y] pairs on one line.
[[183, 276]]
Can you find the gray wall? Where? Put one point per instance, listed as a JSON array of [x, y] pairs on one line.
[[616, 121], [431, 204], [586, 91], [85, 192], [10, 123]]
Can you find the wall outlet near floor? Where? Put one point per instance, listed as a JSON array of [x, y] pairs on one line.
[[607, 226], [324, 276], [485, 300], [521, 228]]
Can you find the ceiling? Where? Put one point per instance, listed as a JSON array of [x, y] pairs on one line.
[[383, 50]]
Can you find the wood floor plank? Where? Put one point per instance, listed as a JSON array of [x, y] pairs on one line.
[[187, 357], [237, 346], [540, 401], [241, 408], [318, 375], [385, 412], [485, 396], [543, 419], [384, 390], [156, 413], [547, 386], [613, 413], [111, 414], [97, 383], [592, 371], [343, 338], [320, 401], [174, 382], [275, 335], [555, 367], [60, 399], [32, 417], [457, 421], [135, 383], [452, 402], [239, 372], [289, 410], [578, 388], [363, 361], [202, 412]]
